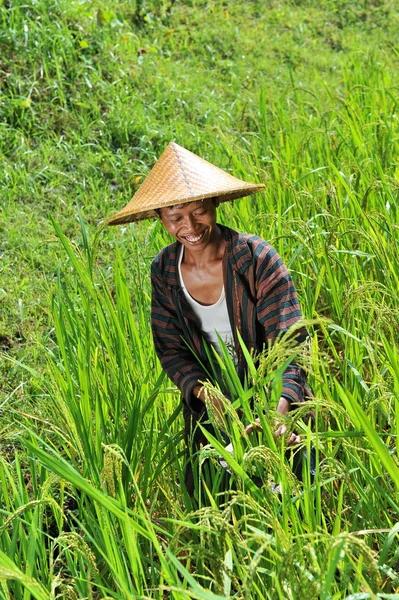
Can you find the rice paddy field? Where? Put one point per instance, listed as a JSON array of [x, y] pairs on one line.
[[298, 95]]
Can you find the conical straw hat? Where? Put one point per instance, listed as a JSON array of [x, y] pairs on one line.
[[179, 176]]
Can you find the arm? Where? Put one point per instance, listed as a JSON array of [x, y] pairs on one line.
[[278, 310], [176, 358]]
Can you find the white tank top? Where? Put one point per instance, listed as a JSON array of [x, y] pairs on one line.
[[213, 318]]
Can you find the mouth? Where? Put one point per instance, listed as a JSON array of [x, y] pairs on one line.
[[193, 239]]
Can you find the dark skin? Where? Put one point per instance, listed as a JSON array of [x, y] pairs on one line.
[[202, 261], [194, 225]]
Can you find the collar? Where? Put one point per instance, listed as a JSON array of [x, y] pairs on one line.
[[237, 254]]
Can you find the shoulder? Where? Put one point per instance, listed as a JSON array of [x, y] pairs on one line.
[[164, 266], [247, 248], [164, 258]]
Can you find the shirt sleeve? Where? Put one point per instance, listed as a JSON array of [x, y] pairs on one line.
[[176, 358], [278, 310]]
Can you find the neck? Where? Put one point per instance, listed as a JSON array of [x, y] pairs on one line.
[[212, 252]]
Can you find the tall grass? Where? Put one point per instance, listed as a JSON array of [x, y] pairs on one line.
[[113, 519]]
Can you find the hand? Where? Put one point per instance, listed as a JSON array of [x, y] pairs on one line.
[[283, 408], [250, 428], [293, 440]]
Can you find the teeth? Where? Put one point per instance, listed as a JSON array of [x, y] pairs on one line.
[[194, 238]]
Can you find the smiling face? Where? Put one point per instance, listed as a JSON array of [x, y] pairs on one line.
[[193, 224]]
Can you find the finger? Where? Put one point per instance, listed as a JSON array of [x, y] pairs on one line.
[[294, 440], [280, 430], [249, 429]]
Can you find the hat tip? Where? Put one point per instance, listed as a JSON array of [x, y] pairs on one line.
[[172, 143]]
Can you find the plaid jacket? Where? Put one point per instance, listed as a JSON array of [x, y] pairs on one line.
[[261, 302]]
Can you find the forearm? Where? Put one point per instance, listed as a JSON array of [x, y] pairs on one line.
[[199, 393], [178, 362], [294, 382]]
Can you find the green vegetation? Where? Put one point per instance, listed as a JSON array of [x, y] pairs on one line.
[[300, 96]]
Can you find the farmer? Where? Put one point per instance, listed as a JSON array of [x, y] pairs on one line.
[[211, 279]]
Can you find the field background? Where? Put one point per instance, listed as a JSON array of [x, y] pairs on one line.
[[301, 96]]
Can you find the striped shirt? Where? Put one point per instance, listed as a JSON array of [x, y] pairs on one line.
[[261, 300]]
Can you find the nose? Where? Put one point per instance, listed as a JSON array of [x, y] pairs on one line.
[[190, 222]]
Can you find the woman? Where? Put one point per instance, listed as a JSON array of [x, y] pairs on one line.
[[211, 280]]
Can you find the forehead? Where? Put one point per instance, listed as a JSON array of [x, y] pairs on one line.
[[189, 206]]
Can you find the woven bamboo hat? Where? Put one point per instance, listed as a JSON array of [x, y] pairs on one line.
[[179, 176]]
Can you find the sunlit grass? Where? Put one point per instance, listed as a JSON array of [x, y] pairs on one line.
[[114, 444]]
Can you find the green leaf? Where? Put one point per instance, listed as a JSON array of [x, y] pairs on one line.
[[8, 570], [361, 421]]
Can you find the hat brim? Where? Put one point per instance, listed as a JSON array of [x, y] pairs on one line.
[[131, 216], [178, 177]]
